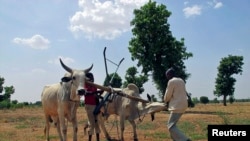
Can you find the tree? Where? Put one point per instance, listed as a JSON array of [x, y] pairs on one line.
[[130, 77], [154, 46], [7, 91], [116, 81], [204, 99], [224, 83], [1, 84]]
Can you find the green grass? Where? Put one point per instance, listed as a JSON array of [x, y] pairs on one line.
[[158, 135], [146, 126], [190, 129], [7, 135], [224, 117], [22, 126], [242, 121]]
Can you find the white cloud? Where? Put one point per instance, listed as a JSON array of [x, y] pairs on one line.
[[66, 60], [218, 5], [192, 11], [103, 19], [35, 42], [215, 4]]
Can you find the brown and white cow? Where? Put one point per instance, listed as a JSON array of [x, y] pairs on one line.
[[128, 109], [61, 100]]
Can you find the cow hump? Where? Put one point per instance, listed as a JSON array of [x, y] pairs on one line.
[[133, 87]]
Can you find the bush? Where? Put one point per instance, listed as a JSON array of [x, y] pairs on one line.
[[14, 102], [231, 99], [204, 99], [215, 100], [38, 103], [195, 100], [5, 104]]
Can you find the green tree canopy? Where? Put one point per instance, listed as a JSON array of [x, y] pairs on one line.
[[116, 81], [224, 83], [1, 84], [132, 77], [9, 90], [153, 45], [6, 93]]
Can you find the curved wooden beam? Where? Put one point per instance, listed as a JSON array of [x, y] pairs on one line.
[[108, 89]]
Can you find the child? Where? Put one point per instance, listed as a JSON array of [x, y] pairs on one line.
[[91, 100]]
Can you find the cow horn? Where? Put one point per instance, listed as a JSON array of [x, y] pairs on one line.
[[88, 69], [68, 69]]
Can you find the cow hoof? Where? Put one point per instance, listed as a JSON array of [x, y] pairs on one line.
[[135, 139]]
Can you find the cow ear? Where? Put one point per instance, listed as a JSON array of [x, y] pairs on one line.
[[66, 79], [149, 98]]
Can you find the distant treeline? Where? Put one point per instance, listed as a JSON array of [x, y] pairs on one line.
[[15, 104], [205, 100]]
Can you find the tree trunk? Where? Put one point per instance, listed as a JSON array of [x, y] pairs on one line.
[[225, 100]]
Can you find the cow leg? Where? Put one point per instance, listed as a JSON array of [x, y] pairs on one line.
[[101, 123], [86, 126], [75, 128], [122, 127], [59, 129], [132, 122], [46, 128], [64, 128], [62, 122]]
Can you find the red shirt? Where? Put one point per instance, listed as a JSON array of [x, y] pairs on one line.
[[90, 99]]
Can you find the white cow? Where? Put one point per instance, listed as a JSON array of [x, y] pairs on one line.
[[128, 109], [61, 100]]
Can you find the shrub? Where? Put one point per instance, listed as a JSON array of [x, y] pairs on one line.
[[204, 99], [5, 104]]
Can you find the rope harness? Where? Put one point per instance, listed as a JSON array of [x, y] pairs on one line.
[[140, 119]]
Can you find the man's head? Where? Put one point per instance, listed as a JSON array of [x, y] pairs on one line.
[[170, 73], [90, 76]]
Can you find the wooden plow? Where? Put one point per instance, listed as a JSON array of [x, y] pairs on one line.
[[112, 91], [108, 97]]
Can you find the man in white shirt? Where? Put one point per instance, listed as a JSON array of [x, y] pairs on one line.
[[176, 98]]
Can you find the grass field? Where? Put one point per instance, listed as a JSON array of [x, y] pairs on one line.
[[27, 124]]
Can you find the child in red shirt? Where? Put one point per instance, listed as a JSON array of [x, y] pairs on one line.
[[91, 100]]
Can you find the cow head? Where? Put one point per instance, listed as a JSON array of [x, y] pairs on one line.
[[144, 108], [152, 107], [77, 77]]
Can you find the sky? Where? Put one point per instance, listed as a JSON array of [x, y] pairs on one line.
[[35, 34]]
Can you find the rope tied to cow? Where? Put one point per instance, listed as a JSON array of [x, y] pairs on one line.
[[140, 119]]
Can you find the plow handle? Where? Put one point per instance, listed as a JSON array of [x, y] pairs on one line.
[[102, 103], [105, 62]]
